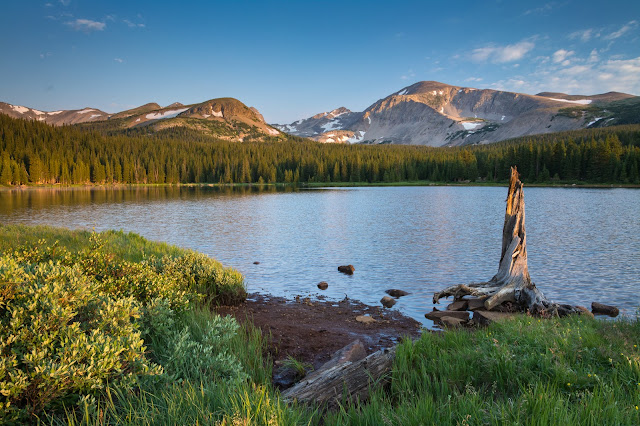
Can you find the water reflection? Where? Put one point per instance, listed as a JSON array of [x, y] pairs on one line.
[[419, 239]]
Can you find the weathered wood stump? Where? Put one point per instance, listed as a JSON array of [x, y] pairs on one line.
[[512, 283]]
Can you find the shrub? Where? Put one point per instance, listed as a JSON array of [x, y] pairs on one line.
[[62, 336]]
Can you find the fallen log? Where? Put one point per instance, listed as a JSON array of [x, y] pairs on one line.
[[512, 283], [327, 386]]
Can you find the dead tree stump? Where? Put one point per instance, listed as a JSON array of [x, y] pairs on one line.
[[512, 283]]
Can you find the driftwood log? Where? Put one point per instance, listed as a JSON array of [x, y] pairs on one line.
[[327, 387], [512, 283]]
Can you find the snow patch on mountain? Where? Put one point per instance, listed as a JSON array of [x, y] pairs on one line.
[[19, 109], [579, 101], [217, 113], [331, 125], [86, 110], [166, 114], [470, 125]]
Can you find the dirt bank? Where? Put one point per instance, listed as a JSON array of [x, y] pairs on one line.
[[311, 330]]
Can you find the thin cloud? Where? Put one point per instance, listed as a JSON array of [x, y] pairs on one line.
[[561, 56], [119, 60], [86, 25], [548, 7], [473, 79], [65, 2], [622, 75], [133, 24], [622, 31], [502, 54], [584, 35]]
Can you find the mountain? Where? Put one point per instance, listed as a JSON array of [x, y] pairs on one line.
[[436, 114], [225, 118], [57, 118]]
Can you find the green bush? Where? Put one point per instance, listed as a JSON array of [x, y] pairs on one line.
[[78, 319], [62, 336]]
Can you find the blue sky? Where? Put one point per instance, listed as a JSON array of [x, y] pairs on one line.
[[292, 59]]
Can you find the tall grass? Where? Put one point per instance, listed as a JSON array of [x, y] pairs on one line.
[[526, 371]]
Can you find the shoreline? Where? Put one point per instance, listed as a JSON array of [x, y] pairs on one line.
[[316, 185]]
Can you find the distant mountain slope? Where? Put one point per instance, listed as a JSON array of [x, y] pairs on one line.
[[225, 118], [57, 118], [437, 114]]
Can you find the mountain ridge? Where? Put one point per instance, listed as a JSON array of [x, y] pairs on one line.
[[225, 118], [438, 114]]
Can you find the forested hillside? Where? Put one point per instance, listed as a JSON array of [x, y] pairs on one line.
[[36, 153]]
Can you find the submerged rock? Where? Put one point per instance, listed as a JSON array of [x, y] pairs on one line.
[[394, 292], [346, 269], [601, 309]]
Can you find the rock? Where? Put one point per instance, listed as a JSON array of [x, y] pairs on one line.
[[475, 304], [394, 292], [459, 305], [584, 311], [346, 269], [387, 301], [284, 377], [437, 315], [323, 285], [365, 319], [452, 322], [487, 317], [600, 309], [256, 263]]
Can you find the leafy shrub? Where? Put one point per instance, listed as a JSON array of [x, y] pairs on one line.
[[73, 322], [62, 336]]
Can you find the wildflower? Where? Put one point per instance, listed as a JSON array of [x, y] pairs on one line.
[[636, 407], [568, 384], [589, 375]]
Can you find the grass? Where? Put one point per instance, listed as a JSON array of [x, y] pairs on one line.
[[527, 371], [128, 246], [574, 370]]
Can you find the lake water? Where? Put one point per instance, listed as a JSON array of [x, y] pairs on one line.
[[583, 244]]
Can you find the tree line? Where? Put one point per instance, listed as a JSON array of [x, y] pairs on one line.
[[36, 153]]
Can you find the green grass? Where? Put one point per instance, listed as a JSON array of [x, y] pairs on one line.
[[128, 246], [527, 371], [207, 370]]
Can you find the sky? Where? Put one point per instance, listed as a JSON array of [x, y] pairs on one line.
[[294, 59]]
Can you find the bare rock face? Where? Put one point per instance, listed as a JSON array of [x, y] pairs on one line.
[[346, 269], [387, 301], [437, 114]]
